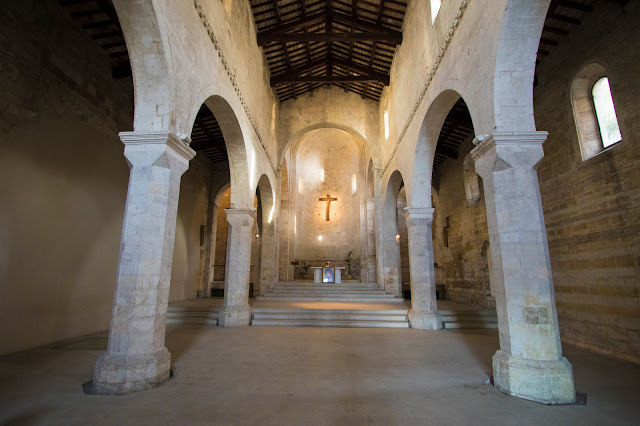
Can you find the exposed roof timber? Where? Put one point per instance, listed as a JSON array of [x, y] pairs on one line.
[[346, 43], [394, 37], [329, 79]]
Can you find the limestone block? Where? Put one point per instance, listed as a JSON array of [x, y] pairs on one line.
[[423, 313], [530, 362], [235, 310], [548, 382], [136, 358]]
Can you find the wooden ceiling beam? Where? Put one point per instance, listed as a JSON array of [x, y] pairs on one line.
[[328, 79], [388, 36]]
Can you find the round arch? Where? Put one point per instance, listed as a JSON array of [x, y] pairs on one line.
[[296, 138], [391, 250], [426, 146], [237, 153], [268, 251], [151, 65], [515, 68]]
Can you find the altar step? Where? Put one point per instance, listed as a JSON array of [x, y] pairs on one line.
[[386, 318], [469, 319], [204, 315], [344, 292]]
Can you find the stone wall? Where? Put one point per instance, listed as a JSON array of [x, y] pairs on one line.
[[460, 236], [591, 207], [317, 239], [187, 267], [63, 178], [63, 181]]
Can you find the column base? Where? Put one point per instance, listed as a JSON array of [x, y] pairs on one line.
[[425, 320], [547, 382], [234, 316], [124, 374]]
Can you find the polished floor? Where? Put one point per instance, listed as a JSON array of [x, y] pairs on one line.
[[308, 376]]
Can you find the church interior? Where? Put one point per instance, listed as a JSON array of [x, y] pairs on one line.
[[319, 212]]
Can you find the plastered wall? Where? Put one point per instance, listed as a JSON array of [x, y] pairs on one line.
[[591, 207], [63, 177], [337, 153], [63, 181]]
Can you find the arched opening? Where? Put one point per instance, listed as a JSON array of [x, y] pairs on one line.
[[370, 268], [594, 111], [265, 242], [460, 226], [403, 242], [390, 236], [285, 226]]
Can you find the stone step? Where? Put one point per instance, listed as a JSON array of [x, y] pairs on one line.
[[192, 315], [330, 323], [201, 321], [328, 293], [326, 287], [330, 317], [470, 324], [331, 299], [330, 311]]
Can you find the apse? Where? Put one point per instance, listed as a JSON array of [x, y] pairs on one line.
[[327, 168]]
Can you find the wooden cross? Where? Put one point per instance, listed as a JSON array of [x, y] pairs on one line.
[[328, 200]]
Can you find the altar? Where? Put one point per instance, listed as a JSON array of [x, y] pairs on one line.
[[323, 274]]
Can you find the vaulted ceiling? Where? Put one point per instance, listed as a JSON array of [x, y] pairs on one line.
[[312, 43]]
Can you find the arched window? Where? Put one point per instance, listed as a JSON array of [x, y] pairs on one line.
[[594, 111], [435, 7], [605, 112]]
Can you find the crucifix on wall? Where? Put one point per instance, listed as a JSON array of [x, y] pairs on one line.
[[328, 199]]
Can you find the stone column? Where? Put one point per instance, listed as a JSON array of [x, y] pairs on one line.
[[423, 313], [391, 270], [136, 358], [377, 196], [268, 257], [529, 363], [235, 310], [371, 241]]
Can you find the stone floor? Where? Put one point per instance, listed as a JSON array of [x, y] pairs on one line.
[[290, 375]]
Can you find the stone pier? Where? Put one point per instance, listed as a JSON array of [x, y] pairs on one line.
[[529, 363], [136, 358], [235, 310], [423, 313]]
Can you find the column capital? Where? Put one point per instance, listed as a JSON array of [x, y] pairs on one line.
[[500, 151], [251, 211], [419, 212], [237, 216], [133, 139]]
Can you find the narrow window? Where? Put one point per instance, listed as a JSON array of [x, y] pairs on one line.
[[386, 124], [435, 7], [605, 112], [593, 111]]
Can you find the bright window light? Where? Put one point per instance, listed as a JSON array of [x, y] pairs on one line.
[[386, 124], [300, 184], [319, 237], [354, 186], [322, 175], [606, 112], [435, 7]]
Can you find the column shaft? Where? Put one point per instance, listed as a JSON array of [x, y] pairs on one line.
[[235, 309], [377, 195], [136, 358], [423, 313], [529, 363]]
